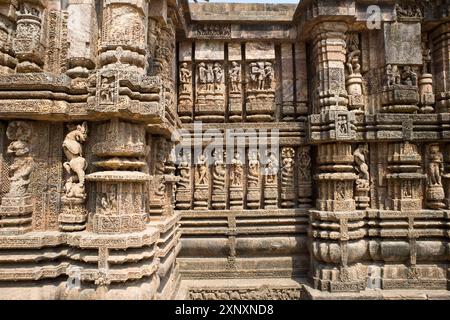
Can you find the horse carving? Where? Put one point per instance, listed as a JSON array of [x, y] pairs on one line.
[[75, 164]]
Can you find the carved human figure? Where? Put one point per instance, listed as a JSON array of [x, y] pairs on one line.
[[257, 75], [268, 75], [408, 76], [184, 172], [342, 124], [353, 54], [236, 170], [218, 75], [185, 77], [305, 164], [287, 169], [219, 170], [20, 133], [106, 90], [392, 75], [160, 167], [271, 169], [210, 85], [76, 164], [435, 165], [253, 169], [426, 56], [202, 170], [202, 74], [235, 76], [360, 155]]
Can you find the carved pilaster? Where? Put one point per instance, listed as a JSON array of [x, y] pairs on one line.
[[82, 35], [123, 27], [329, 56], [184, 184], [405, 177], [440, 39], [218, 174], [119, 188], [27, 43]]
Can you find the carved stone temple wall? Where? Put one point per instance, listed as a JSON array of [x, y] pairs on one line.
[[117, 179]]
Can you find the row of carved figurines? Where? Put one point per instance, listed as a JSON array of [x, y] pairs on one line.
[[255, 170], [211, 75]]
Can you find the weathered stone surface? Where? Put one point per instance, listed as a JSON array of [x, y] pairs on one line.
[[257, 151]]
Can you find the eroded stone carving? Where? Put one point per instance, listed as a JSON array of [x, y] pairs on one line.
[[17, 206]]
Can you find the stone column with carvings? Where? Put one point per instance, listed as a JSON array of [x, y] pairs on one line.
[[270, 186], [336, 227], [201, 181], [254, 179], [218, 177], [82, 35], [440, 39], [119, 185], [123, 35], [7, 60], [27, 42]]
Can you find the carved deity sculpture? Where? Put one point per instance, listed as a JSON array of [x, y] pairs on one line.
[[76, 164], [362, 168], [106, 90], [408, 76], [184, 172], [353, 53], [287, 169], [218, 75], [392, 75], [20, 133], [435, 165], [261, 75], [271, 169], [218, 171], [236, 170], [235, 77], [202, 170], [160, 167], [185, 77], [305, 165], [253, 169]]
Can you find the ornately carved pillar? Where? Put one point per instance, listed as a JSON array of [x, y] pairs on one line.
[[336, 227], [27, 42], [329, 54], [123, 37], [119, 185], [440, 38], [82, 35]]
